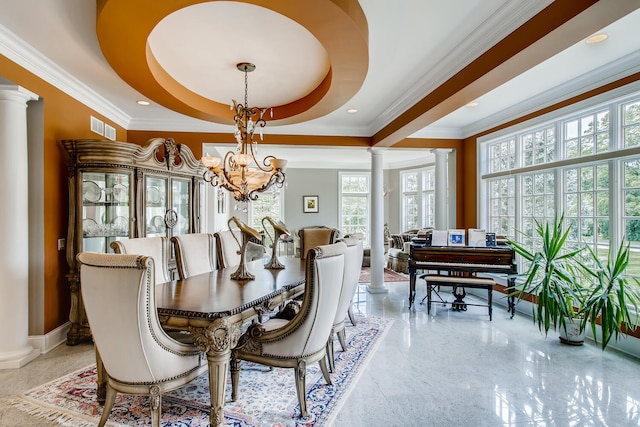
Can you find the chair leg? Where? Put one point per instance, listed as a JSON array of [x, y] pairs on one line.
[[342, 337], [108, 406], [330, 353], [155, 399], [235, 376], [325, 371], [352, 318], [301, 373]]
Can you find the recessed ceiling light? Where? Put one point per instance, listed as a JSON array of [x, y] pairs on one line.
[[143, 102], [597, 38], [472, 104], [352, 110]]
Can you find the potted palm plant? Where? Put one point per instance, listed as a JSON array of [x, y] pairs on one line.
[[612, 296], [552, 277], [571, 291]]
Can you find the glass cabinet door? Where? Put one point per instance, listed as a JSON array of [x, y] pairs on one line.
[[180, 204], [106, 209], [155, 206]]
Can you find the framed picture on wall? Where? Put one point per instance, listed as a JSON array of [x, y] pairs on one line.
[[310, 204]]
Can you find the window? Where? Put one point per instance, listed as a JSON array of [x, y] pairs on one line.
[[269, 204], [585, 135], [354, 203], [418, 198], [585, 165], [538, 146], [631, 201]]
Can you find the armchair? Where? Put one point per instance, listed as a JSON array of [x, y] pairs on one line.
[[138, 357], [310, 237], [194, 253], [154, 247], [302, 340]]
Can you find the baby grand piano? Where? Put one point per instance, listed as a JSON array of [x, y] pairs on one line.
[[462, 260]]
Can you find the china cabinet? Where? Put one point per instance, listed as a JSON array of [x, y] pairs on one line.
[[119, 190]]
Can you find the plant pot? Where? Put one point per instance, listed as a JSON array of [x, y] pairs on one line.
[[571, 333]]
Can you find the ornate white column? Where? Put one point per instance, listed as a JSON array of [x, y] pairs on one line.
[[15, 350], [377, 285], [440, 214]]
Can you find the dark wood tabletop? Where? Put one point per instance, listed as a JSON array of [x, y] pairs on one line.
[[215, 294]]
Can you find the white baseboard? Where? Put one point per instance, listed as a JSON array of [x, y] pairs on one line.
[[46, 343]]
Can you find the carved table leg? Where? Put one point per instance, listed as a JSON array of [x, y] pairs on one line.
[[216, 340]]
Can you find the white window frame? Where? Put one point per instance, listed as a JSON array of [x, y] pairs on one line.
[[613, 158], [341, 176], [426, 198], [251, 213]]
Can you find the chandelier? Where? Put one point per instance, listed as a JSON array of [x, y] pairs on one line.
[[240, 172]]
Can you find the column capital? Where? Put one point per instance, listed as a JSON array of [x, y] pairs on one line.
[[15, 92]]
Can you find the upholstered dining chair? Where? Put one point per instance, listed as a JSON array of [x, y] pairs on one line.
[[310, 237], [352, 266], [228, 249], [154, 247], [302, 340], [138, 357], [194, 253]]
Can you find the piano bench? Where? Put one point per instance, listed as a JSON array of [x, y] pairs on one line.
[[458, 281]]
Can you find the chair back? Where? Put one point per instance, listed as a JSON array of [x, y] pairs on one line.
[[311, 237], [228, 249], [118, 292], [307, 333], [154, 247], [194, 253], [352, 267]]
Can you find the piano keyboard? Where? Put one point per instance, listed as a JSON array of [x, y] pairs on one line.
[[443, 265]]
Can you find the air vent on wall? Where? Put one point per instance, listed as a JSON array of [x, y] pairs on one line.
[[109, 132], [97, 126]]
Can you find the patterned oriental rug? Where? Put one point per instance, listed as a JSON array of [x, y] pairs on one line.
[[266, 397], [389, 276]]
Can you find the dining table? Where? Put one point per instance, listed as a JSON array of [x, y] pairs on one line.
[[212, 307]]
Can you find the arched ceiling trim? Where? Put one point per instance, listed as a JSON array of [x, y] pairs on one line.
[[123, 28]]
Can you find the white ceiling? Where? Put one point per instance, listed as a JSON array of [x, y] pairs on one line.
[[415, 45]]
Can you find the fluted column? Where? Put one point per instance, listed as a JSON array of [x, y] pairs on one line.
[[377, 285], [440, 214], [15, 350]]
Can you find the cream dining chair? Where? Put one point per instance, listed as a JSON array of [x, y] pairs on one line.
[[194, 253], [296, 343], [154, 247], [138, 357], [228, 249], [352, 266]]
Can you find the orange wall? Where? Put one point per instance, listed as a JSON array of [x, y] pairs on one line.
[[64, 118]]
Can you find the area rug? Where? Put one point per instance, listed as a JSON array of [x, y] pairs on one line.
[[266, 397], [389, 276]]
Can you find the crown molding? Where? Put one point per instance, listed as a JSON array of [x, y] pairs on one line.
[[499, 25], [599, 77], [23, 54]]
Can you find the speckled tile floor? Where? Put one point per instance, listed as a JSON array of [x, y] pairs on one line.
[[447, 369]]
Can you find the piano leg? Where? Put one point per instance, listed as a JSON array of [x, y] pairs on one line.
[[511, 299], [412, 286]]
